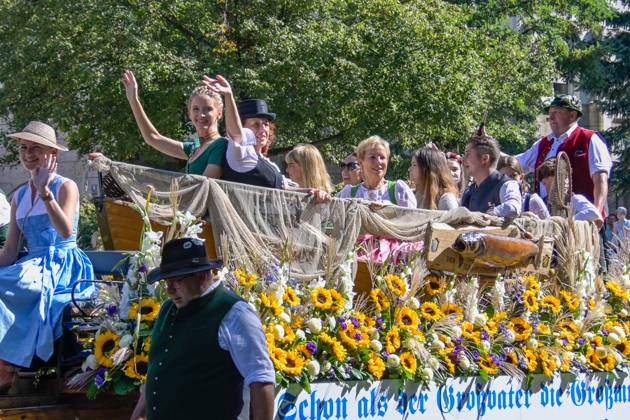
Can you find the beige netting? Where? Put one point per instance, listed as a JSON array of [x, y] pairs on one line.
[[262, 225]]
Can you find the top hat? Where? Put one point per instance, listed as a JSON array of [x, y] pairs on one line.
[[565, 101], [180, 257], [254, 108], [40, 133]]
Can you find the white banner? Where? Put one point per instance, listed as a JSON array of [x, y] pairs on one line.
[[583, 397]]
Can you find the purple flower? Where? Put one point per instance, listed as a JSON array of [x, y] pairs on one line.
[[581, 341], [99, 380], [343, 325], [475, 355], [311, 347], [358, 336], [355, 322], [379, 321], [142, 269], [386, 354], [484, 335], [496, 359], [112, 310], [458, 340], [565, 341], [605, 332]]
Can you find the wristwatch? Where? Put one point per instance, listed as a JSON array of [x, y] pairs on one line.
[[46, 197]]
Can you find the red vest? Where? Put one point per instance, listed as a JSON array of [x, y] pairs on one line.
[[576, 147]]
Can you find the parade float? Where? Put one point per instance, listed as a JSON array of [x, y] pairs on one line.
[[455, 314]]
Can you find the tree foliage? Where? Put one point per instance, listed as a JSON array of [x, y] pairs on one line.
[[335, 71]]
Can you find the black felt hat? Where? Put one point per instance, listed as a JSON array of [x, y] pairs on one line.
[[180, 257], [254, 108]]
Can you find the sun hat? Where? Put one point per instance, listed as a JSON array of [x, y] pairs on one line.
[[40, 133], [180, 257]]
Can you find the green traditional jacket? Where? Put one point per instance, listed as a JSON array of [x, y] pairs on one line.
[[190, 376]]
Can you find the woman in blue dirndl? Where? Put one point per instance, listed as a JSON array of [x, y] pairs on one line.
[[35, 289]]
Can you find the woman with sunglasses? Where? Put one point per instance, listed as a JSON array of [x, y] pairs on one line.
[[351, 170]]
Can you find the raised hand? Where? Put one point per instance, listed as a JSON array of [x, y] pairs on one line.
[[131, 86], [44, 174], [218, 85]]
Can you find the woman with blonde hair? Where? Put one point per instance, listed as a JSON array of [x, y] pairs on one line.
[[306, 167], [435, 188], [373, 154]]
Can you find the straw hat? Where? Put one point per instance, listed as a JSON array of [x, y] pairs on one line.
[[40, 133]]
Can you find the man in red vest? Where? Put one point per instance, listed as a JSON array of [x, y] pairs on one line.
[[587, 151]]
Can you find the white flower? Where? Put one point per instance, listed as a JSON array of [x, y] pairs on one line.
[[427, 374], [433, 363], [278, 332], [89, 362], [463, 361], [313, 368], [284, 317], [614, 339], [601, 352], [393, 361], [581, 358], [607, 308], [433, 337], [457, 331], [374, 333], [532, 344], [623, 313], [485, 345], [480, 320], [510, 336], [299, 333], [314, 325], [376, 345], [437, 345], [326, 366], [125, 340], [414, 303], [332, 322], [619, 331], [588, 335]]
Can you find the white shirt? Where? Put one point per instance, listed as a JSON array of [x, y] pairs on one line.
[[584, 209], [511, 200], [242, 157], [404, 196], [537, 206], [241, 334], [448, 201], [598, 155], [5, 210]]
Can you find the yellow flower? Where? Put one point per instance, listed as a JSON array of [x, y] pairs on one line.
[[396, 284], [616, 289], [321, 298], [592, 303], [624, 348], [147, 345], [149, 309], [244, 278], [512, 358], [530, 358], [543, 328], [548, 364], [530, 301], [452, 308], [488, 365], [468, 331], [293, 363], [448, 362], [338, 301], [430, 311], [381, 302], [521, 327], [354, 337], [569, 327], [392, 340], [407, 319], [572, 301], [552, 303], [290, 297], [269, 301], [531, 283], [434, 285], [408, 362], [491, 327], [137, 366], [565, 366], [499, 316], [338, 349], [105, 346], [376, 366], [278, 357], [606, 362]]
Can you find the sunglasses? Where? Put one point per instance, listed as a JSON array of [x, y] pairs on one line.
[[352, 166]]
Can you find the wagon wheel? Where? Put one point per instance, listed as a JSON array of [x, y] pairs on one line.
[[560, 194]]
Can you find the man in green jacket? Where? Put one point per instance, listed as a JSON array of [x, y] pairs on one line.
[[206, 344]]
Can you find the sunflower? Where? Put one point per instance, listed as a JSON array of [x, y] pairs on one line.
[[407, 319], [392, 340], [450, 366], [452, 308], [499, 316], [290, 297], [270, 302], [591, 303], [293, 363], [148, 308], [624, 348], [487, 364], [491, 327], [522, 328], [606, 362], [572, 301], [338, 349], [376, 366], [530, 360], [616, 289], [354, 337], [338, 301], [547, 363], [430, 311], [568, 326], [543, 329], [512, 358], [244, 278], [468, 331], [531, 283], [137, 366], [321, 298], [396, 284], [434, 285], [147, 345], [565, 366], [278, 357], [530, 301], [408, 363], [552, 303], [105, 346], [381, 302]]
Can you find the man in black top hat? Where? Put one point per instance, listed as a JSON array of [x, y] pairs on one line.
[[206, 342]]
